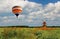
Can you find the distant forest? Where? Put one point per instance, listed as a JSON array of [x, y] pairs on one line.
[[31, 26]]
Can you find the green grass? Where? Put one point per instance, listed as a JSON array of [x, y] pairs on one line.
[[29, 33]]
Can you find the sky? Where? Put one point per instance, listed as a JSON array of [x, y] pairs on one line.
[[44, 2], [33, 14]]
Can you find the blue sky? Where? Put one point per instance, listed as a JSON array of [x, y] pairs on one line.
[[34, 12], [44, 2]]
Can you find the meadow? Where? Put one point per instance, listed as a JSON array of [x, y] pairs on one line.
[[28, 33]]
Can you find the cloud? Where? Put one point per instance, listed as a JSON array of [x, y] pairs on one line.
[[6, 5], [33, 13]]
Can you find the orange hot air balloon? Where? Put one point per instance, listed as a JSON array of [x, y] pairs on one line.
[[17, 10]]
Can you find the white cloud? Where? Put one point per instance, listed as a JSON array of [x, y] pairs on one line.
[[32, 12], [6, 5]]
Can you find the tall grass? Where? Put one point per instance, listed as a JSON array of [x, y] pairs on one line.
[[28, 33]]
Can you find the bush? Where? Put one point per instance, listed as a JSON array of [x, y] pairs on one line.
[[38, 35]]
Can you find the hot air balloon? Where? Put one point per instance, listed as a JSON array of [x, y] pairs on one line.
[[17, 10]]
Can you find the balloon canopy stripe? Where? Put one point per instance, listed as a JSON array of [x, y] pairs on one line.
[[17, 8], [17, 11]]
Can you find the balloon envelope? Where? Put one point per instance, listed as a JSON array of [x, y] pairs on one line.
[[16, 10]]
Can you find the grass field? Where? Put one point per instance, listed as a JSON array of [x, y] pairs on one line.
[[29, 33]]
